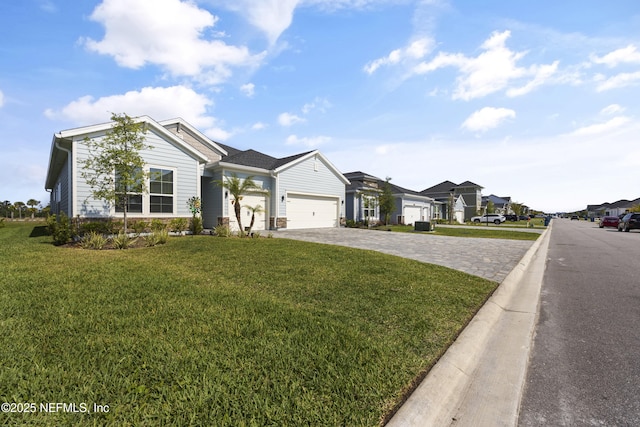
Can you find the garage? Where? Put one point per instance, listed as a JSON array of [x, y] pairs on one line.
[[311, 211], [412, 214], [245, 213]]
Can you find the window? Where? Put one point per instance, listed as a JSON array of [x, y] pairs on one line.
[[369, 206], [134, 194], [160, 190]]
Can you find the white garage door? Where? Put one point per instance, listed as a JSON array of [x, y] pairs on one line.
[[412, 214], [260, 222], [304, 211]]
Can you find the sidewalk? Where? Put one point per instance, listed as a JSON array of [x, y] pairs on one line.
[[479, 380]]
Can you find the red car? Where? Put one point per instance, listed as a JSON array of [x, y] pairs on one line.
[[609, 221]]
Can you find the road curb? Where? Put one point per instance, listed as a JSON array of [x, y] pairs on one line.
[[480, 378]]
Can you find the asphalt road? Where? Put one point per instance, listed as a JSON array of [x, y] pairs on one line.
[[584, 368]]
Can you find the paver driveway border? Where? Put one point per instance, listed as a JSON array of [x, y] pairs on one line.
[[491, 259]]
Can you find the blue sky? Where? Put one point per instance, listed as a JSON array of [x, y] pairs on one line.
[[533, 100]]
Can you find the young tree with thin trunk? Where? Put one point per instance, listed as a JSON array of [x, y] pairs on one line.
[[386, 202], [115, 168]]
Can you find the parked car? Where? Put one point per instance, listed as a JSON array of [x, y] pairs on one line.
[[609, 221], [524, 217], [511, 217], [629, 221], [495, 218], [575, 217]]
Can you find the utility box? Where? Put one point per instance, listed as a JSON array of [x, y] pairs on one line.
[[422, 226]]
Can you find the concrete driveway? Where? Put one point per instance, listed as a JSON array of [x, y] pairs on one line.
[[492, 259]]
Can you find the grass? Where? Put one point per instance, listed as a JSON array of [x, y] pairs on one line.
[[215, 331], [485, 232]]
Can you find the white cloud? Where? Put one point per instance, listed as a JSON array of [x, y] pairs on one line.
[[491, 71], [307, 141], [618, 81], [157, 102], [319, 104], [542, 74], [248, 89], [259, 126], [288, 119], [612, 109], [602, 128], [416, 50], [1, 99], [272, 17], [624, 55], [487, 118], [167, 33]]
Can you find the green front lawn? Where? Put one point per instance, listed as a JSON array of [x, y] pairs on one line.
[[215, 331]]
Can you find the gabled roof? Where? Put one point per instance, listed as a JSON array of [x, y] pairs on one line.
[[443, 187], [253, 159], [62, 142], [468, 184], [181, 123], [358, 183], [497, 201]]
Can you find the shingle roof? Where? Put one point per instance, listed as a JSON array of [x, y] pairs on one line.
[[469, 184], [257, 159], [443, 187]]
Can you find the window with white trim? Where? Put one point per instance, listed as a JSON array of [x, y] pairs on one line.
[[161, 191]]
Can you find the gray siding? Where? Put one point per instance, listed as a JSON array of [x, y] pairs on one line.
[[60, 193], [164, 154], [310, 176]]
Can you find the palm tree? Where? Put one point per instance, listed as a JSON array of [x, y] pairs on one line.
[[32, 203], [6, 207], [254, 210], [237, 188], [19, 206]]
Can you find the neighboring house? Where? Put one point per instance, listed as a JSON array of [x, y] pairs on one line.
[[444, 192], [362, 201], [300, 191], [612, 209], [501, 205]]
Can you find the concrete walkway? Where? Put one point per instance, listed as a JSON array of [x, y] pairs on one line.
[[492, 259], [480, 379]]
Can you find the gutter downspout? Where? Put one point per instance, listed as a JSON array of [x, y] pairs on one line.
[[69, 183], [275, 199]]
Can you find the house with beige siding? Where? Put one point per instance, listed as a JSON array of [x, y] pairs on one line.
[[304, 190]]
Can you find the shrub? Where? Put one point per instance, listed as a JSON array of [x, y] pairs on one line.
[[350, 223], [139, 227], [2, 224], [196, 225], [157, 238], [96, 227], [157, 225], [122, 241], [62, 230], [255, 234], [51, 224], [178, 225], [222, 231], [93, 240]]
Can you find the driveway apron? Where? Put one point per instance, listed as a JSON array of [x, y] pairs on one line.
[[491, 259]]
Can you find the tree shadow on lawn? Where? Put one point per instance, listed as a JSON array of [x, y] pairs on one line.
[[39, 231]]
